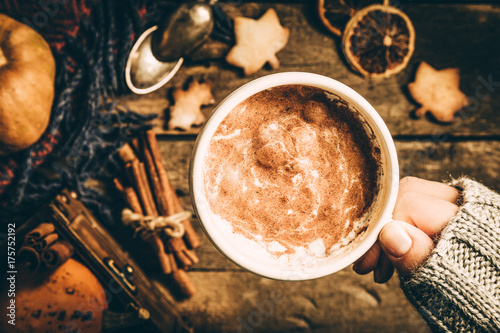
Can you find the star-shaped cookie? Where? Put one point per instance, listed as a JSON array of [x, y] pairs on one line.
[[257, 42], [438, 92], [186, 110]]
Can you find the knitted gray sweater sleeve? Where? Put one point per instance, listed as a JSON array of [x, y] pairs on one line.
[[457, 289]]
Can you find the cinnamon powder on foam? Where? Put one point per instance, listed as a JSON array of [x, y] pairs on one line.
[[292, 165]]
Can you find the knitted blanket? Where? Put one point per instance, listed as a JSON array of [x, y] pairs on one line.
[[90, 40]]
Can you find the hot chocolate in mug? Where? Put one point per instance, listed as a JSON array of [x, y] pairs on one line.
[[293, 176]]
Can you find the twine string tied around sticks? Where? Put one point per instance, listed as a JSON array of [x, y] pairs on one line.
[[147, 225]]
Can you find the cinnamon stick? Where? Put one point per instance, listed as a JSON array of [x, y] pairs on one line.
[[130, 196], [57, 254], [171, 257], [149, 195], [29, 258], [178, 247], [45, 242], [164, 201], [38, 233], [154, 240], [119, 186], [183, 281], [135, 144], [153, 173], [164, 259], [138, 176], [126, 153], [169, 201], [189, 233], [192, 256]]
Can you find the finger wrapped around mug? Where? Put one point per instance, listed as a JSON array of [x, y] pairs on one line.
[[423, 208]]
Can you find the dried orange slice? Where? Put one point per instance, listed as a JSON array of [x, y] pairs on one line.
[[335, 14], [378, 41]]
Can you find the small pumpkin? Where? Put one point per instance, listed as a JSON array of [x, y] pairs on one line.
[[70, 299], [27, 74]]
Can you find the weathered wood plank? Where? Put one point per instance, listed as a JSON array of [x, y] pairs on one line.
[[441, 161], [230, 299], [342, 302], [441, 42]]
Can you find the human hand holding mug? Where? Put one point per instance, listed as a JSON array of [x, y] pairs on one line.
[[423, 208]]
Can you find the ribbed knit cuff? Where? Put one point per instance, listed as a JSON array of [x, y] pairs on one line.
[[457, 289]]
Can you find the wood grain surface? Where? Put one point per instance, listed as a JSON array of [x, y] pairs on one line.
[[442, 41], [230, 298], [462, 36]]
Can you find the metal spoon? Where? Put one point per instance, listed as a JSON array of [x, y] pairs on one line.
[[158, 53], [143, 72], [186, 29]]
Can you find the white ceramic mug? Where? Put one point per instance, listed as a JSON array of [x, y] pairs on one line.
[[235, 246]]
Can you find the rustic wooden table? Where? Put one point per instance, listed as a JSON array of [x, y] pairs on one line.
[[462, 36]]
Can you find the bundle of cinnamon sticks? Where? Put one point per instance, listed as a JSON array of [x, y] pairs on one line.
[[148, 191], [42, 247]]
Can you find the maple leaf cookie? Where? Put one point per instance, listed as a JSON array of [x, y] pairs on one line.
[[438, 92], [186, 110]]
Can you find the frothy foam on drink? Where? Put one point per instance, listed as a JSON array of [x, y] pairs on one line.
[[290, 174]]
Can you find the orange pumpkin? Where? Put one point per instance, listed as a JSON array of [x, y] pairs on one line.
[[27, 73], [70, 299]]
